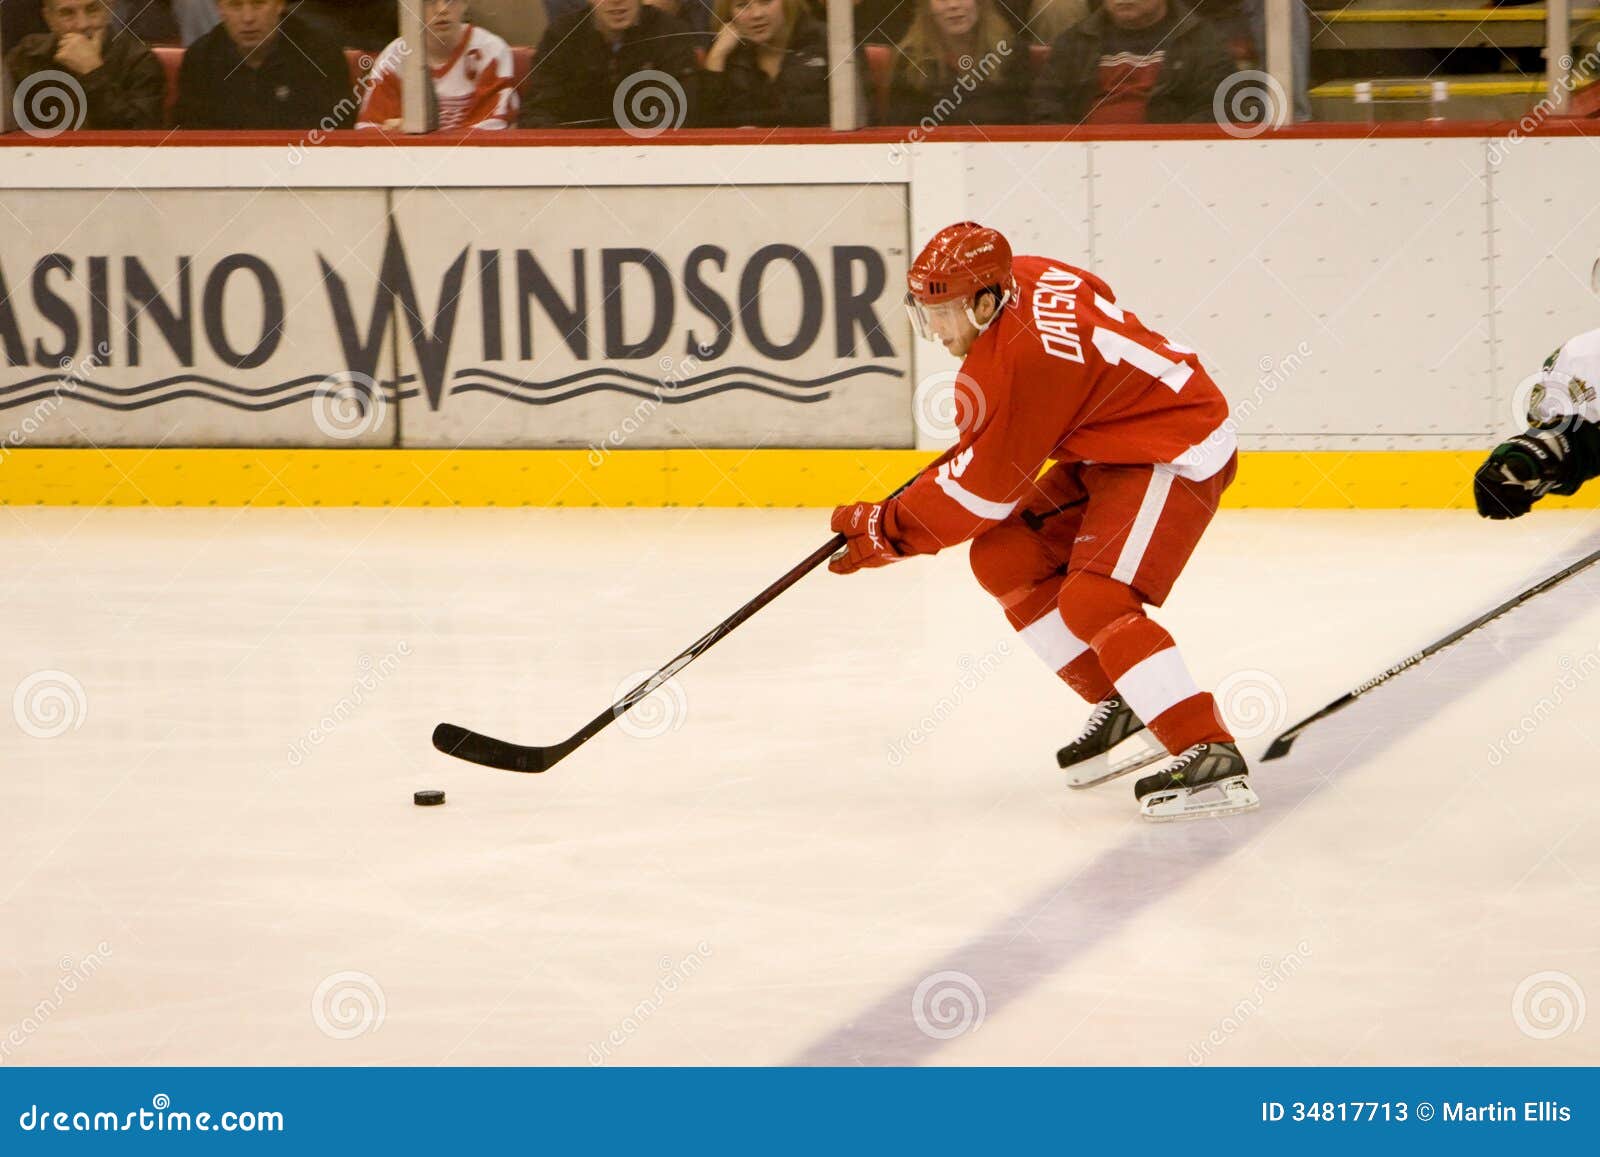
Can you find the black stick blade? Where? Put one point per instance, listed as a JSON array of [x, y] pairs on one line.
[[487, 751], [1279, 747]]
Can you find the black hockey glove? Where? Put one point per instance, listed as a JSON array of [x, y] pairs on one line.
[[1522, 470]]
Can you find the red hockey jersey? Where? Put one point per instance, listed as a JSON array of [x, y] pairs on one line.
[[1063, 373], [474, 87]]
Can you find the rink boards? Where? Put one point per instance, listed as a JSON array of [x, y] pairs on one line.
[[643, 325]]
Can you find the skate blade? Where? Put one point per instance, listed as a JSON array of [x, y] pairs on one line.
[[1107, 767], [1226, 797]]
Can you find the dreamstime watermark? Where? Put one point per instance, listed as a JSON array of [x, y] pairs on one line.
[[49, 103], [664, 709], [74, 974], [1552, 400], [674, 974], [349, 106], [346, 1005], [160, 1117], [648, 103], [974, 71], [70, 377], [1574, 76], [347, 405], [1274, 973], [1251, 703], [48, 704], [948, 1004], [1547, 1005], [676, 372], [973, 674], [948, 405], [1248, 103], [370, 677], [1574, 673], [1274, 374]]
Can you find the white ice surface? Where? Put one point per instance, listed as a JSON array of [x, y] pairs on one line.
[[765, 883]]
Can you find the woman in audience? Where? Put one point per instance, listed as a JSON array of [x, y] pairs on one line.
[[768, 66], [960, 63]]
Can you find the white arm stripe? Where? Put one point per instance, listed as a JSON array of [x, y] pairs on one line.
[[969, 501], [1209, 455]]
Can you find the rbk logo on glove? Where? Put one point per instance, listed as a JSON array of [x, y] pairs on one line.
[[867, 542]]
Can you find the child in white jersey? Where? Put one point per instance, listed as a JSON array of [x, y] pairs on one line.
[[471, 69]]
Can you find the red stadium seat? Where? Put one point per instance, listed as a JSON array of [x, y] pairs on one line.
[[354, 57], [521, 65], [1038, 55], [171, 60]]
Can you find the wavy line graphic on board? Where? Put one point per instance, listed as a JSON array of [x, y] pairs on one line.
[[680, 383], [181, 387], [634, 391]]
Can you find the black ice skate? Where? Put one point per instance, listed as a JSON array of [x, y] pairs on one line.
[[1101, 751], [1208, 779]]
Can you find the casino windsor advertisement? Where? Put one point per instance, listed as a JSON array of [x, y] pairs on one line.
[[598, 318]]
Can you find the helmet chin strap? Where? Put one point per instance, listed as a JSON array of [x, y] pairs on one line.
[[980, 326]]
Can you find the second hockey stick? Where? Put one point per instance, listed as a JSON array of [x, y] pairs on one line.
[[1279, 747]]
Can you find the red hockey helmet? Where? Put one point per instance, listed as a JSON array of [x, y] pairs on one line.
[[957, 263]]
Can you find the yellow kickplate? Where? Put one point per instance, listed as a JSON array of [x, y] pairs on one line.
[[1321, 480]]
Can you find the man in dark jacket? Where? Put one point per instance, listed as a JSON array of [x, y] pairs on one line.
[[1133, 62], [591, 71], [260, 69], [122, 82]]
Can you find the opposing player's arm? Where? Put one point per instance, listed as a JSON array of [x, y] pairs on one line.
[[1559, 451]]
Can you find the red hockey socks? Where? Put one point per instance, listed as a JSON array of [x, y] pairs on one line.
[[1140, 658], [1014, 567]]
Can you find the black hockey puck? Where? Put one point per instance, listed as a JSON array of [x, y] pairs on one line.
[[428, 798]]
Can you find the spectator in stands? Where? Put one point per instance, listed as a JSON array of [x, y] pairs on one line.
[[589, 60], [261, 69], [960, 63], [123, 86], [1133, 62], [768, 66], [473, 85], [699, 15]]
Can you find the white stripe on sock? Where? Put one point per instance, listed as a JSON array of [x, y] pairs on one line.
[[1157, 684], [1052, 642]]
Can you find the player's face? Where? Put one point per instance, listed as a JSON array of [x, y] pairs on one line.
[[954, 17], [615, 15], [757, 21], [250, 23], [445, 19], [945, 322], [82, 17]]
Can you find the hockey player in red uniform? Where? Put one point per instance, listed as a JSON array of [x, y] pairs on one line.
[[1055, 371]]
